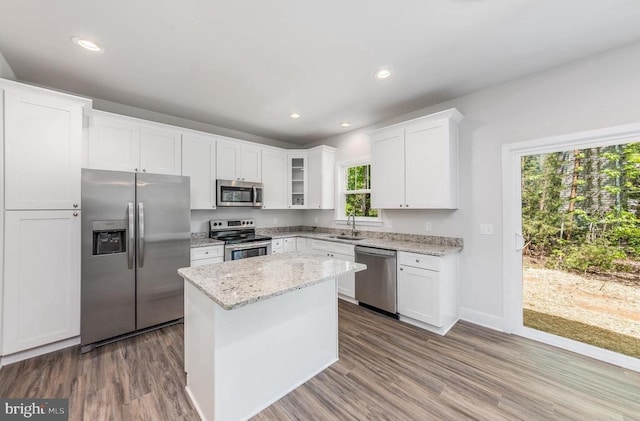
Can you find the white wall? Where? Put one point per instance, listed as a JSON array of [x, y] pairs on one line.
[[263, 218], [596, 92], [5, 70]]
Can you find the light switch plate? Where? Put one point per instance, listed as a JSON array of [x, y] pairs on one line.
[[486, 229], [275, 221]]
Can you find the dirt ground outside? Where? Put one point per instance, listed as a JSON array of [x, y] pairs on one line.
[[608, 304]]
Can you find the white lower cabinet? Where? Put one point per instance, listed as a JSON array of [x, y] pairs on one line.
[[301, 244], [41, 302], [346, 283], [289, 244], [277, 246], [207, 255], [428, 290]]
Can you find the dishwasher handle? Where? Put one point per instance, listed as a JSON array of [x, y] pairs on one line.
[[371, 251]]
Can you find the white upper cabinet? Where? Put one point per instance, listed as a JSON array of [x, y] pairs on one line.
[[321, 177], [114, 143], [238, 161], [199, 163], [274, 179], [122, 143], [160, 150], [415, 164], [43, 136], [297, 180]]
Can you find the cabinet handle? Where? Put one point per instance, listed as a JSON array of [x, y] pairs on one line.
[[406, 206], [318, 206], [401, 268], [206, 252], [417, 260], [75, 205], [136, 170], [75, 214], [289, 206], [144, 170], [242, 178], [400, 205]]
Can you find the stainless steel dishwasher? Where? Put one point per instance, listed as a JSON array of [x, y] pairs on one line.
[[376, 287]]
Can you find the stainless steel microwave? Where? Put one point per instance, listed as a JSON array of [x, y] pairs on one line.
[[231, 193]]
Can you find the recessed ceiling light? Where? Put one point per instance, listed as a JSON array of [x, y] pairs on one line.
[[345, 124], [383, 73], [87, 44], [294, 115]]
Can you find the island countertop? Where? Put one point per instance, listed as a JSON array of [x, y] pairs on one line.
[[241, 282]]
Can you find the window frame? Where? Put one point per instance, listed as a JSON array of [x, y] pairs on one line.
[[341, 192]]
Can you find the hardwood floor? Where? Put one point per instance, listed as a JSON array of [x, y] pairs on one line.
[[387, 370]]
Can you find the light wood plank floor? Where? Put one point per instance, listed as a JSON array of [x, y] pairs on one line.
[[387, 370]]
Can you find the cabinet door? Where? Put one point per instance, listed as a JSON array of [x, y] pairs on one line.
[[41, 278], [160, 151], [314, 188], [114, 143], [227, 159], [387, 169], [321, 178], [199, 163], [297, 181], [301, 244], [346, 283], [428, 165], [43, 135], [274, 179], [250, 164], [419, 294], [289, 245]]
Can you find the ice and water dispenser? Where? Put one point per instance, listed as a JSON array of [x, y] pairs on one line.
[[109, 237]]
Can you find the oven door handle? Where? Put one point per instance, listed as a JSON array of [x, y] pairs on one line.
[[244, 246]]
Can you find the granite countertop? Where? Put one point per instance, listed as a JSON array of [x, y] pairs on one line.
[[238, 283], [384, 243], [201, 240]]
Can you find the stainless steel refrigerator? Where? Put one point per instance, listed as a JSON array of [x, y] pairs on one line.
[[135, 236]]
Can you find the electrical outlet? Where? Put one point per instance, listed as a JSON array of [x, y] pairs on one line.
[[316, 220], [427, 226], [275, 221], [486, 229]]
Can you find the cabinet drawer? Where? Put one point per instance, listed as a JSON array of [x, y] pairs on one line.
[[335, 248], [207, 261], [207, 252], [419, 261]]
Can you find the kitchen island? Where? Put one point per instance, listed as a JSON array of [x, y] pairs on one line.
[[257, 328]]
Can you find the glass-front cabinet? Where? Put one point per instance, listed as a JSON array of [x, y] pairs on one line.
[[297, 181]]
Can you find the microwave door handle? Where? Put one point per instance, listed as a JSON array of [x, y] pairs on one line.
[[140, 234], [132, 234], [255, 195]]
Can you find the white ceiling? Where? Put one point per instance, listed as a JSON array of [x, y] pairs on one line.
[[247, 64]]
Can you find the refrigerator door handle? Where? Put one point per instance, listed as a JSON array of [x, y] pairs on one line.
[[132, 234], [140, 234]]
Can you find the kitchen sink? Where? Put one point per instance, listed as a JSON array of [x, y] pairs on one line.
[[346, 237]]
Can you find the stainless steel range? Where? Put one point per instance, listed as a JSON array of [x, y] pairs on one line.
[[240, 238]]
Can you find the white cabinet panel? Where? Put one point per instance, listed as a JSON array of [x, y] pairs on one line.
[[274, 179], [301, 244], [114, 144], [41, 279], [43, 136], [297, 180], [419, 294], [227, 157], [199, 163], [321, 178], [346, 283], [250, 163], [387, 169], [428, 165], [160, 150], [289, 245]]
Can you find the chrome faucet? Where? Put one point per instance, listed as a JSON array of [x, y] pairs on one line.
[[354, 232]]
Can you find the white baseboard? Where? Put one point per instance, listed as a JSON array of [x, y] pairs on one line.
[[348, 299], [446, 326], [41, 350], [482, 319], [195, 403]]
